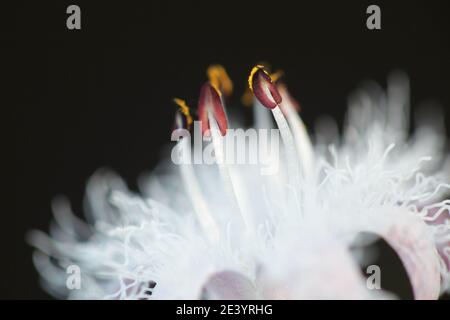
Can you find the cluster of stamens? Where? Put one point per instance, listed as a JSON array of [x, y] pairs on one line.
[[214, 124], [219, 86]]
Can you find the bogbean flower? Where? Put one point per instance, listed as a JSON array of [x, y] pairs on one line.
[[226, 231]]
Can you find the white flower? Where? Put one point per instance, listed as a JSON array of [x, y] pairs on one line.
[[226, 231]]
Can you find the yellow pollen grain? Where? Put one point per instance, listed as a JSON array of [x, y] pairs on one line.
[[184, 110], [219, 79]]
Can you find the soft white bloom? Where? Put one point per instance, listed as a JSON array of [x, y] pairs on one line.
[[208, 231]]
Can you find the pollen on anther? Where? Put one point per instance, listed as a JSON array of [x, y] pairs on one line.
[[219, 79], [262, 86], [210, 102], [185, 111]]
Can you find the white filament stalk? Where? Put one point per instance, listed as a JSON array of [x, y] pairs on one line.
[[261, 115], [291, 153], [302, 140], [217, 141], [192, 187]]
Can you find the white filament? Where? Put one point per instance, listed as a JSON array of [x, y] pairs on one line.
[[302, 139], [229, 184], [291, 153], [192, 187]]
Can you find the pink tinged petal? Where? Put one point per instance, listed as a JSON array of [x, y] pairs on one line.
[[440, 218], [229, 285], [316, 267], [263, 88], [436, 215], [410, 237], [210, 101]]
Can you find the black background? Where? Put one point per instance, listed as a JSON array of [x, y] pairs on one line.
[[100, 96]]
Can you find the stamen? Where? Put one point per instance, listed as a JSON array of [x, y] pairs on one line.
[[225, 173], [210, 101], [262, 119], [183, 120], [219, 79], [290, 108], [291, 153], [212, 112], [190, 181], [248, 97], [263, 88], [267, 93]]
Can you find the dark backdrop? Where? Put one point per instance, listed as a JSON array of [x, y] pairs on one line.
[[101, 96]]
